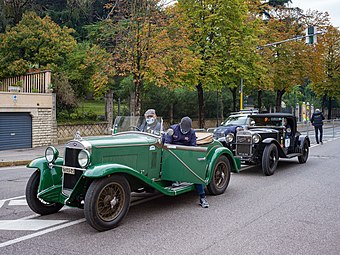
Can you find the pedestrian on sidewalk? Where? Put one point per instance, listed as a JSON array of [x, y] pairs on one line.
[[317, 122]]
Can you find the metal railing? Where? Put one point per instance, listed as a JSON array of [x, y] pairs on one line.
[[36, 82], [327, 124]]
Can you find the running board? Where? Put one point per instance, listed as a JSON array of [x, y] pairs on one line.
[[292, 155]]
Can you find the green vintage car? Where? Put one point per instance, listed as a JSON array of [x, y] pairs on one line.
[[101, 174]]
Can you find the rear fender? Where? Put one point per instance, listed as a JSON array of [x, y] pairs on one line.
[[235, 163], [302, 140]]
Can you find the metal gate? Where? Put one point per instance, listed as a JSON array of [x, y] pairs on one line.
[[15, 130]]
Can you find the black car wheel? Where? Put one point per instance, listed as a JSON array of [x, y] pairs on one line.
[[270, 159], [107, 202], [36, 204], [305, 152], [220, 176]]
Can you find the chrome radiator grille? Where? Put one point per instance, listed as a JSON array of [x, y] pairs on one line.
[[71, 174], [243, 146]]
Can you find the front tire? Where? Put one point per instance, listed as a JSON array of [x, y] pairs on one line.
[[107, 202], [305, 152], [220, 176], [270, 158], [36, 204]]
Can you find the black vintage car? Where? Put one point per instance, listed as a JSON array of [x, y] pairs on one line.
[[272, 136]]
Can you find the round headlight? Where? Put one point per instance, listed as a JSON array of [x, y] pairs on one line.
[[256, 138], [51, 154], [229, 137], [83, 158]]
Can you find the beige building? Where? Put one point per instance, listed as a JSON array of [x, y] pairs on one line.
[[27, 111]]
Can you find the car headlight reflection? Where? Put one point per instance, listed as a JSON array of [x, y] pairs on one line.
[[229, 137], [256, 138], [84, 158], [51, 154]]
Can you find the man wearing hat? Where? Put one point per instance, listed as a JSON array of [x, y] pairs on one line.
[[151, 124], [184, 135], [317, 122]]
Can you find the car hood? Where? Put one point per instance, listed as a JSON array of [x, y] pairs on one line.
[[226, 129], [120, 139]]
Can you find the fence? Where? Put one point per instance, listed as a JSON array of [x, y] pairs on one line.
[[328, 124], [36, 82]]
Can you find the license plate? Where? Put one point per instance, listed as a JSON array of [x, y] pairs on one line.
[[69, 170]]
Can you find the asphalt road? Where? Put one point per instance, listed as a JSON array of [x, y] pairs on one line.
[[295, 211]]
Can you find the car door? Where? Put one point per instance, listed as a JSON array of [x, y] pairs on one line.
[[184, 163]]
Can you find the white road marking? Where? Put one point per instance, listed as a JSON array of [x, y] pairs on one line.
[[8, 199], [42, 232], [18, 202], [28, 225]]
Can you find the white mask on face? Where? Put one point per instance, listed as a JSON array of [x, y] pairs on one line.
[[150, 120]]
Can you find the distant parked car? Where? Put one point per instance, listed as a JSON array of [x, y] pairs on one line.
[[226, 133], [100, 174], [272, 136]]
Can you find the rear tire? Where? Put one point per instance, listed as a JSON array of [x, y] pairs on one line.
[[36, 204], [220, 176], [305, 152], [270, 158]]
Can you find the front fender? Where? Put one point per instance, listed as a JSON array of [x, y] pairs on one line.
[[234, 162], [50, 178], [99, 171]]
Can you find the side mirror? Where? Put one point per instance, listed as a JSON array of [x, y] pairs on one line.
[[252, 123]]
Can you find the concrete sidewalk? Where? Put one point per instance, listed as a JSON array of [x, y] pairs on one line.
[[18, 157]]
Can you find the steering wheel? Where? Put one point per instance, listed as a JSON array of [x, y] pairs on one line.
[[134, 128]]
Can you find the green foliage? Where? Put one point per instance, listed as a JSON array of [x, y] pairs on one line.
[[34, 41]]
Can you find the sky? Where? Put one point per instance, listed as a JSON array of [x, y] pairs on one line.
[[331, 6]]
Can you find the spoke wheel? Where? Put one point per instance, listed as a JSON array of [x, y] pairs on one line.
[[220, 176], [107, 202], [270, 159]]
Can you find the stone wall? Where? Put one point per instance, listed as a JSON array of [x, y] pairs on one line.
[[43, 132], [67, 131]]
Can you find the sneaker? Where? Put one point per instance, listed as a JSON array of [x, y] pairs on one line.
[[204, 203], [176, 184], [321, 142]]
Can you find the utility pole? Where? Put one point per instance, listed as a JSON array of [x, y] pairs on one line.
[[241, 94]]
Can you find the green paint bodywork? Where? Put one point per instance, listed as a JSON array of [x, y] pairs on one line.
[[141, 158]]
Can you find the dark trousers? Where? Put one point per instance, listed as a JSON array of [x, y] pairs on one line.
[[317, 129], [200, 190]]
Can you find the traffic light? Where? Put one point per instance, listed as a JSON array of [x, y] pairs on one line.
[[311, 35]]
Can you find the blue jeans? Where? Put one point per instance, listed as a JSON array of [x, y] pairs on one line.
[[200, 190]]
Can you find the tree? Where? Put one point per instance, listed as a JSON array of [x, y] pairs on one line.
[[286, 60], [34, 41], [325, 66], [132, 23], [224, 38], [11, 12]]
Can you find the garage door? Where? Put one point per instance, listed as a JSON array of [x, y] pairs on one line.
[[15, 131]]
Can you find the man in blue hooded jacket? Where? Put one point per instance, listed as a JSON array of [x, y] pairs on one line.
[[317, 122], [184, 135]]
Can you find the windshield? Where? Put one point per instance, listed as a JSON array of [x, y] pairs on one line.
[[268, 121], [235, 121], [137, 123]]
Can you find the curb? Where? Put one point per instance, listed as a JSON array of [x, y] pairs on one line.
[[14, 163]]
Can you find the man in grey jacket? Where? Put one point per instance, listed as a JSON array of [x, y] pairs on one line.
[[317, 122]]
